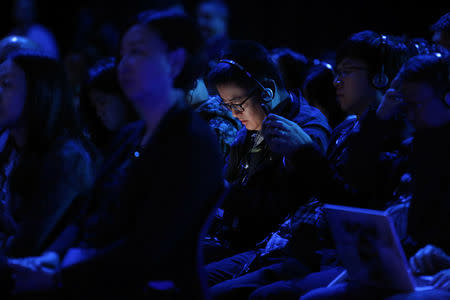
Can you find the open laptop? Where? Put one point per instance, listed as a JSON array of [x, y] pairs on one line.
[[369, 248]]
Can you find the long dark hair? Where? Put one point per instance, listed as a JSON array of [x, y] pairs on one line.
[[50, 116]]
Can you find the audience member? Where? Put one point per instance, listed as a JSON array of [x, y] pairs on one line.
[[103, 106], [320, 92], [293, 66], [421, 87], [167, 187], [24, 14], [441, 31], [48, 161]]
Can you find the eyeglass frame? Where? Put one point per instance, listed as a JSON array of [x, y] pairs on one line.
[[238, 107]]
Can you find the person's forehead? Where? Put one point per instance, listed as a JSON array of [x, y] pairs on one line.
[[350, 61], [231, 92]]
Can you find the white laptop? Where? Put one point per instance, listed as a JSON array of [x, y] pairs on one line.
[[370, 250]]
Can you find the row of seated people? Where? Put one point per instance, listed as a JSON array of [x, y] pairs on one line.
[[134, 201]]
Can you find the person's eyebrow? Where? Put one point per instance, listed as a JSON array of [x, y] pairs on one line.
[[236, 98]]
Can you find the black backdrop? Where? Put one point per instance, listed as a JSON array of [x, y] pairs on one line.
[[311, 27]]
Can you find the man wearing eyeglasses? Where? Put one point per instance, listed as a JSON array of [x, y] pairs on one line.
[[273, 155]]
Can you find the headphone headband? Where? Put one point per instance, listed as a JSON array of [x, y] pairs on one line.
[[268, 92]]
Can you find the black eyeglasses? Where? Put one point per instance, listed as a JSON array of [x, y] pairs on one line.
[[238, 107]]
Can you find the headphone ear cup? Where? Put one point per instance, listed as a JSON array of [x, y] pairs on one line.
[[267, 95], [380, 81], [447, 99]]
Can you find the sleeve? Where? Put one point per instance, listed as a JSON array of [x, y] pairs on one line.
[[67, 172], [372, 164]]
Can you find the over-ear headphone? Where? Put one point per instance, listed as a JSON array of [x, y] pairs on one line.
[[380, 80], [266, 94]]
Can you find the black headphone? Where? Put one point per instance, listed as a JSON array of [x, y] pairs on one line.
[[266, 94], [381, 80]]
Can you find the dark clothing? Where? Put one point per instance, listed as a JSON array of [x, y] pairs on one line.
[[262, 188], [170, 188], [92, 228], [365, 157], [428, 217], [53, 200]]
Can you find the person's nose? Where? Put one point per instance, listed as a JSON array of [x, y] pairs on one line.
[[337, 82]]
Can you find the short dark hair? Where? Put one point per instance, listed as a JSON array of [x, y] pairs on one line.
[[369, 47], [293, 66], [220, 3], [255, 59], [442, 25], [430, 68], [178, 30]]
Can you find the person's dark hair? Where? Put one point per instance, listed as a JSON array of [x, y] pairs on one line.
[[442, 25], [101, 76], [417, 46], [430, 68], [253, 57], [320, 92], [293, 66], [49, 108], [13, 43], [368, 46], [178, 30], [223, 7], [50, 116]]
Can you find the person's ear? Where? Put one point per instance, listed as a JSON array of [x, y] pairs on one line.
[[177, 59]]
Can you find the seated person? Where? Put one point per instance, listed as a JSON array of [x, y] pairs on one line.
[[103, 106], [165, 190], [422, 88], [281, 132]]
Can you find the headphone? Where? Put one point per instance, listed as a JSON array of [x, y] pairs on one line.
[[266, 94], [381, 80]]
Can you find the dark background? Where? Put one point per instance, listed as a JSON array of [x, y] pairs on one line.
[[310, 27]]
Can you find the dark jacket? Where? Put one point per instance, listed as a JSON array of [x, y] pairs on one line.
[[53, 200], [428, 217], [170, 188], [265, 192]]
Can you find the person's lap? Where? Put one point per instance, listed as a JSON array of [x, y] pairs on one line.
[[241, 287], [294, 288]]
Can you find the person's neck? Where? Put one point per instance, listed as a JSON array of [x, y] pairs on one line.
[[19, 136], [152, 112]]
